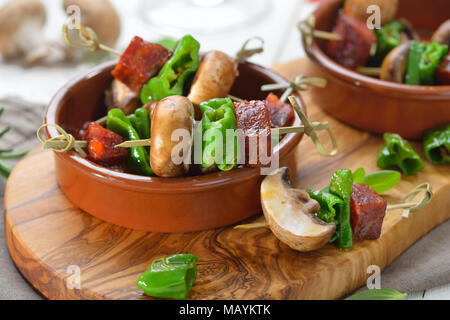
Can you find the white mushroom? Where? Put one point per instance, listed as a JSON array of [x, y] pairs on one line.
[[21, 22], [290, 214], [99, 15], [394, 64]]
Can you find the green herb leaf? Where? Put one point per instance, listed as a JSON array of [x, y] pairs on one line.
[[378, 294], [359, 175], [382, 181]]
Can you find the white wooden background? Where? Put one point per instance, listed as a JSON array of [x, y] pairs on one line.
[[277, 28]]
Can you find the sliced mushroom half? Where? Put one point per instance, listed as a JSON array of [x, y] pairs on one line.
[[394, 64], [290, 214], [442, 34]]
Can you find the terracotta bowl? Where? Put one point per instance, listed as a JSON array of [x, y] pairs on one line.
[[372, 104], [153, 203]]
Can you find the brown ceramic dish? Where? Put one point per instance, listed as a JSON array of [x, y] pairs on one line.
[[374, 105], [153, 203]]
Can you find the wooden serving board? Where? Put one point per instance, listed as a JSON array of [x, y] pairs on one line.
[[46, 234]]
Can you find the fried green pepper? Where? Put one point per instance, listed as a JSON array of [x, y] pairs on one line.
[[218, 117], [173, 75], [416, 50], [170, 277], [388, 37], [342, 185], [140, 121], [423, 60], [397, 152], [429, 62], [139, 159], [437, 145], [329, 207]]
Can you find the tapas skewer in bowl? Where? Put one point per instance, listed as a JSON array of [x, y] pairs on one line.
[[137, 143]]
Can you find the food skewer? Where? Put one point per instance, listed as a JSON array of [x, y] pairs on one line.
[[66, 142], [346, 212], [154, 57]]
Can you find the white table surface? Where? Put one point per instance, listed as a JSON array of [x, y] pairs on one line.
[[277, 28]]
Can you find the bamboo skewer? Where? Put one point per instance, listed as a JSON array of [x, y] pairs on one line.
[[307, 29]]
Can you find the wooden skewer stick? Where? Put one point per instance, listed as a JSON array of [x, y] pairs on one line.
[[369, 71], [307, 29]]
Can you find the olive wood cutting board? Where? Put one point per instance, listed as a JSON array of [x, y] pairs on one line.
[[46, 234]]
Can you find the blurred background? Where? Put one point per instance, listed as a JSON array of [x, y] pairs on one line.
[[218, 24]]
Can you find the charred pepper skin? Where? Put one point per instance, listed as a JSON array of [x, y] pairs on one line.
[[173, 75], [170, 277], [397, 152], [139, 159], [218, 117], [437, 145]]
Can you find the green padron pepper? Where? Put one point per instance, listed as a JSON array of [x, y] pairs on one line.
[[429, 62], [437, 145], [397, 152], [342, 185], [388, 37], [140, 120], [172, 77], [416, 50], [170, 277], [139, 159], [218, 117], [423, 60], [329, 207]]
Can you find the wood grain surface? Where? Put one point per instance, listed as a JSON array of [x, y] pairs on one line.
[[46, 234]]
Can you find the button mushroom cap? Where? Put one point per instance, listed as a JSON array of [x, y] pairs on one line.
[[20, 23], [393, 68], [442, 34], [358, 8], [101, 16], [290, 214]]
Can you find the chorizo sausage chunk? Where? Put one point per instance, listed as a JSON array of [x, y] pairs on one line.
[[353, 50], [367, 210]]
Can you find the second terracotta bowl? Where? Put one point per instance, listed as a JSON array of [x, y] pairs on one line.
[[374, 105], [153, 203]]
